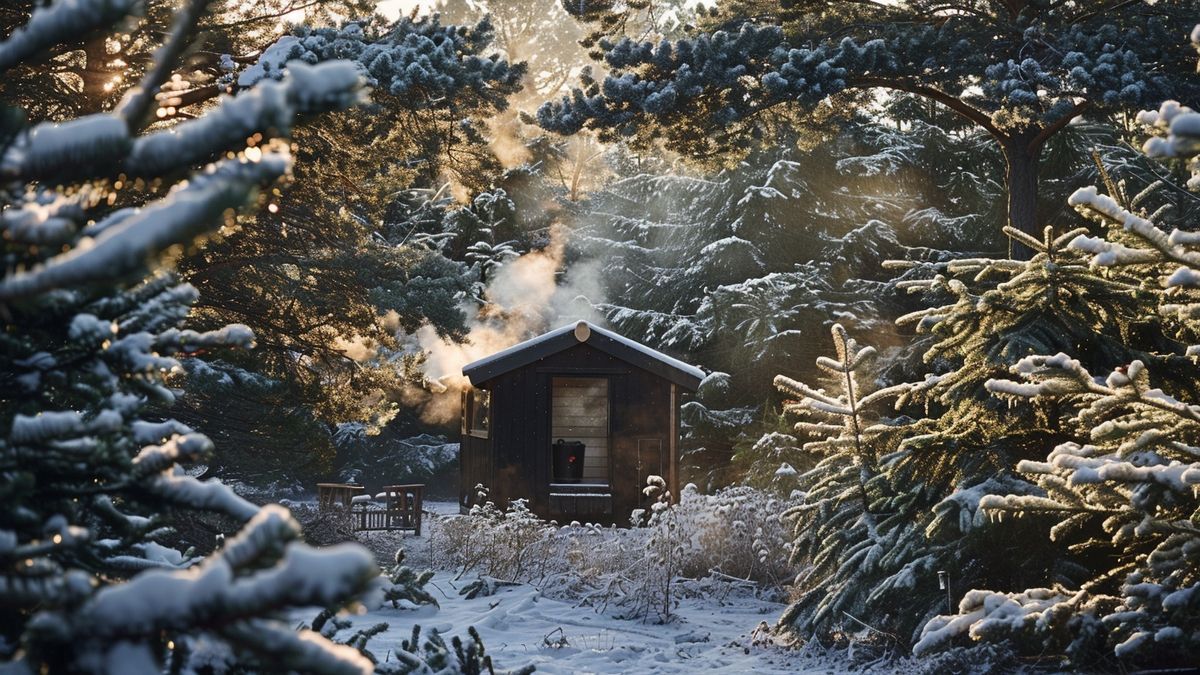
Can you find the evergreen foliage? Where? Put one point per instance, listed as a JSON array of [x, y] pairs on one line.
[[773, 460], [89, 580], [427, 652], [330, 272], [839, 528], [1123, 493], [407, 585], [917, 493], [538, 33], [1020, 71], [745, 269], [88, 70]]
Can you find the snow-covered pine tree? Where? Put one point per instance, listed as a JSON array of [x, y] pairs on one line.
[[967, 442], [88, 579], [1127, 498], [841, 534], [1126, 493], [328, 274], [999, 311]]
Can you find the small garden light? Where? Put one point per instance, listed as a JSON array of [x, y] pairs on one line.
[[944, 584]]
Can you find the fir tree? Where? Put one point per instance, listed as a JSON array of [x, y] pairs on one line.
[[1135, 480], [930, 478], [840, 533], [88, 579], [1124, 494]]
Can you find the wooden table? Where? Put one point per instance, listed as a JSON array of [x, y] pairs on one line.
[[336, 495]]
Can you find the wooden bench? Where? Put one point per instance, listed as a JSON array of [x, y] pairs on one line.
[[401, 510], [580, 499]]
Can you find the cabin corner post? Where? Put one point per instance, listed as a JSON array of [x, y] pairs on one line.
[[673, 478]]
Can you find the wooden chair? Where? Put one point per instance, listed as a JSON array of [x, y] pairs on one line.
[[402, 510], [404, 504]]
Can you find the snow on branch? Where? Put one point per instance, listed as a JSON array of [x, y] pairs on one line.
[[154, 459], [188, 210], [51, 147], [183, 490], [983, 614], [47, 218], [269, 109], [1182, 126], [233, 586], [60, 22], [299, 651], [50, 424], [1137, 479], [423, 63], [102, 144]]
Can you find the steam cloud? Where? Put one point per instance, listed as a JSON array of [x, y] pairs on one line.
[[524, 299]]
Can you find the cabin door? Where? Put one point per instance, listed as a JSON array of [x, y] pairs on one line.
[[580, 415]]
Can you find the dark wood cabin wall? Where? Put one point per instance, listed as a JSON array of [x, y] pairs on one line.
[[537, 426], [475, 463], [644, 415], [512, 481]]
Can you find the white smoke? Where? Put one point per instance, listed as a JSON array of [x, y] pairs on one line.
[[525, 298]]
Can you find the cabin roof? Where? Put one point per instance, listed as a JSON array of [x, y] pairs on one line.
[[633, 353]]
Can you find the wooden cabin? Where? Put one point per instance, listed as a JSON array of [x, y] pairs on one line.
[[573, 421]]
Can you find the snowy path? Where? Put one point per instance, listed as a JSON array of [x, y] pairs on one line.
[[515, 622]]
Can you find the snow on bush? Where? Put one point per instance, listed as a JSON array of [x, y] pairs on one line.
[[730, 541]]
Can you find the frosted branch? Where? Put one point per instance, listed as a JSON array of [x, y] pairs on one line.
[[269, 109], [63, 21], [188, 210]]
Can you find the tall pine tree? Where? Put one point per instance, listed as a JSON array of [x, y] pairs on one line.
[[1021, 70]]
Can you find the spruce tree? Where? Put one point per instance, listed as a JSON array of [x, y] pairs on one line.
[[1127, 498], [89, 581], [841, 534], [1123, 495], [960, 443]]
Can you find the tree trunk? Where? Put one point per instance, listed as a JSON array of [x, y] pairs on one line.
[[96, 73], [1021, 176]]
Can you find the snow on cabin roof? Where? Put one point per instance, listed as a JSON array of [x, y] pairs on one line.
[[559, 339]]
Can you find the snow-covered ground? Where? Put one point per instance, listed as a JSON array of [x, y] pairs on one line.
[[520, 626]]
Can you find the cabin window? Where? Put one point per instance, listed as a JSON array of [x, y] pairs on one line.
[[580, 414], [479, 412]]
